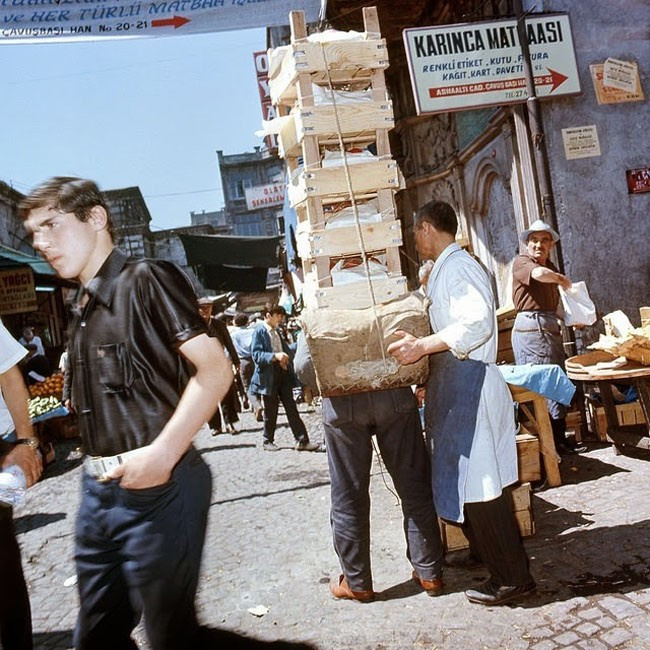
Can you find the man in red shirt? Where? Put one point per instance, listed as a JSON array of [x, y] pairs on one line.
[[536, 335]]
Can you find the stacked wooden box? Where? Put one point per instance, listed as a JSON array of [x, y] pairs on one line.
[[314, 130], [630, 413], [454, 539]]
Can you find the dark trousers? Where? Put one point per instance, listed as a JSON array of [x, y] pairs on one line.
[[246, 370], [349, 422], [493, 535], [15, 615], [284, 394], [139, 552]]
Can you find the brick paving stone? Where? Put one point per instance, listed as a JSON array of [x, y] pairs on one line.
[[566, 639], [587, 629], [269, 543], [621, 608], [616, 637], [605, 622], [546, 644], [591, 644], [541, 633], [590, 613]]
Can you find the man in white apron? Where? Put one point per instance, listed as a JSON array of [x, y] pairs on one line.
[[469, 418]]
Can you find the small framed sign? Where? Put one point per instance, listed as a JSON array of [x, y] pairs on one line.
[[638, 180]]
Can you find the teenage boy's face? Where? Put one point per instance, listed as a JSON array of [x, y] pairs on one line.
[[65, 242]]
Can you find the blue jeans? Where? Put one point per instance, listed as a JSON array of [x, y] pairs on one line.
[[139, 552], [392, 416]]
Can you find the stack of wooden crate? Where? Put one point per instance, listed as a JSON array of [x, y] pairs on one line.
[[454, 539], [314, 134]]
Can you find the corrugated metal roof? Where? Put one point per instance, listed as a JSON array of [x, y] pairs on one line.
[[9, 257]]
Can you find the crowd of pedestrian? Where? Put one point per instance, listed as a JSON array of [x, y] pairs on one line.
[[144, 372]]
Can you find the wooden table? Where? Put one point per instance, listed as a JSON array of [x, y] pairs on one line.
[[544, 431], [584, 368]]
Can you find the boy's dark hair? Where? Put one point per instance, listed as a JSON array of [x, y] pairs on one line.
[[240, 319], [440, 215], [67, 194], [273, 308]]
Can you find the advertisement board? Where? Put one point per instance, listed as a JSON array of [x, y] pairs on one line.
[[472, 65], [17, 291]]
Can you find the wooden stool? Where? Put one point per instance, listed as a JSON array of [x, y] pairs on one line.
[[544, 432]]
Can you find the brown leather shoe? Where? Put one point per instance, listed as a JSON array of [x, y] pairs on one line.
[[342, 590], [433, 587]]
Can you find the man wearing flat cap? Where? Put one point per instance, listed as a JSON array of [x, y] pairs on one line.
[[536, 335]]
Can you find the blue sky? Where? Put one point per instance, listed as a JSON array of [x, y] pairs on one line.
[[150, 112]]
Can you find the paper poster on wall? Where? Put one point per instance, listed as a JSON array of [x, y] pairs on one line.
[[622, 75], [611, 94], [581, 142]]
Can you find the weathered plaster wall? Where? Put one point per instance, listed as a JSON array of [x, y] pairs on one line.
[[605, 231]]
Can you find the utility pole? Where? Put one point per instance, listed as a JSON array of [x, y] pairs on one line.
[[536, 129]]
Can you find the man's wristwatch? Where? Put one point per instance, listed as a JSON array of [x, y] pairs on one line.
[[34, 443]]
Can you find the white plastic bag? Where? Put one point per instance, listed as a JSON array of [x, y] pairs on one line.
[[578, 306]]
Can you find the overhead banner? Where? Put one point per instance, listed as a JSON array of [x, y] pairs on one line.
[[472, 65], [74, 20]]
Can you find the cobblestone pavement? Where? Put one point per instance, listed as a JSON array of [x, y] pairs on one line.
[[269, 547]]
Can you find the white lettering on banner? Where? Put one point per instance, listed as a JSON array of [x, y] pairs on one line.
[[66, 20], [440, 57]]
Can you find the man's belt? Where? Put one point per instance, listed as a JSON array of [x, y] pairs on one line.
[[99, 466]]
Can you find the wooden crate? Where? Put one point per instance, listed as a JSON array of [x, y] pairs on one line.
[[347, 240], [355, 295], [341, 62], [505, 321], [644, 313], [630, 413], [454, 539], [528, 458], [357, 122], [330, 183]]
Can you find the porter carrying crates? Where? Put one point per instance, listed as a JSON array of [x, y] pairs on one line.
[[330, 92]]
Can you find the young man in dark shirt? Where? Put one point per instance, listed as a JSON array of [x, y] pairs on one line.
[[145, 378]]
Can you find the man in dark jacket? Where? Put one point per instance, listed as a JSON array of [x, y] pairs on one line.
[[273, 379]]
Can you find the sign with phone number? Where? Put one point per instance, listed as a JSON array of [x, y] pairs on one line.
[[73, 20]]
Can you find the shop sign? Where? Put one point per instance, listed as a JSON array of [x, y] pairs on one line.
[[264, 196], [471, 65], [581, 142], [638, 180], [615, 94], [17, 291], [261, 60]]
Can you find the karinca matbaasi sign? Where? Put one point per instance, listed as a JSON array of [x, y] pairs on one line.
[[470, 65]]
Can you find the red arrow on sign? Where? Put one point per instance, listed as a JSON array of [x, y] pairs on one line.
[[175, 22], [557, 79]]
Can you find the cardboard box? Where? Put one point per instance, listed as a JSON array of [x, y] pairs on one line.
[[454, 539]]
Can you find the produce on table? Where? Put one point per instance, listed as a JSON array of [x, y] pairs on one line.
[[41, 405], [52, 385]]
